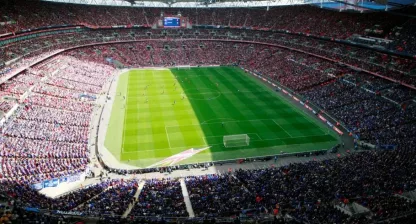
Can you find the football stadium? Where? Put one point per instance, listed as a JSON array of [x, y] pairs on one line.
[[220, 111]]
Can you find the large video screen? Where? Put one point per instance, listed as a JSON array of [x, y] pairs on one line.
[[171, 22]]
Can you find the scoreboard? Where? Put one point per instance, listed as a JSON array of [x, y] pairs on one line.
[[173, 22]]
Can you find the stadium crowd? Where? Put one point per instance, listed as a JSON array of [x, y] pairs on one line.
[[218, 195], [395, 67], [307, 192], [160, 198], [56, 103], [18, 16], [112, 201], [318, 183], [26, 196], [366, 113], [47, 137]]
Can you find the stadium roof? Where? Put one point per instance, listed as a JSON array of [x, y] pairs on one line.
[[355, 5], [186, 3]]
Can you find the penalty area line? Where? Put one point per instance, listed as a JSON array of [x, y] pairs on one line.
[[282, 128], [205, 141], [167, 135]]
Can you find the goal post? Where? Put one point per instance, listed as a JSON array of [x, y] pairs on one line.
[[236, 140]]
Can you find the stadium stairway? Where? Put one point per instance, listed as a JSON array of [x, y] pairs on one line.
[[411, 195], [118, 64], [185, 194], [345, 209], [136, 196], [359, 209], [352, 209]]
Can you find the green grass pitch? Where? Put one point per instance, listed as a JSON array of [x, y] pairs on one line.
[[158, 115]]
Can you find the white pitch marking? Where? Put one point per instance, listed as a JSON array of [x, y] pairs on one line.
[[167, 135], [282, 129]]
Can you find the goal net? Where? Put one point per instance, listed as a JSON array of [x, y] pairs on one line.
[[236, 140]]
